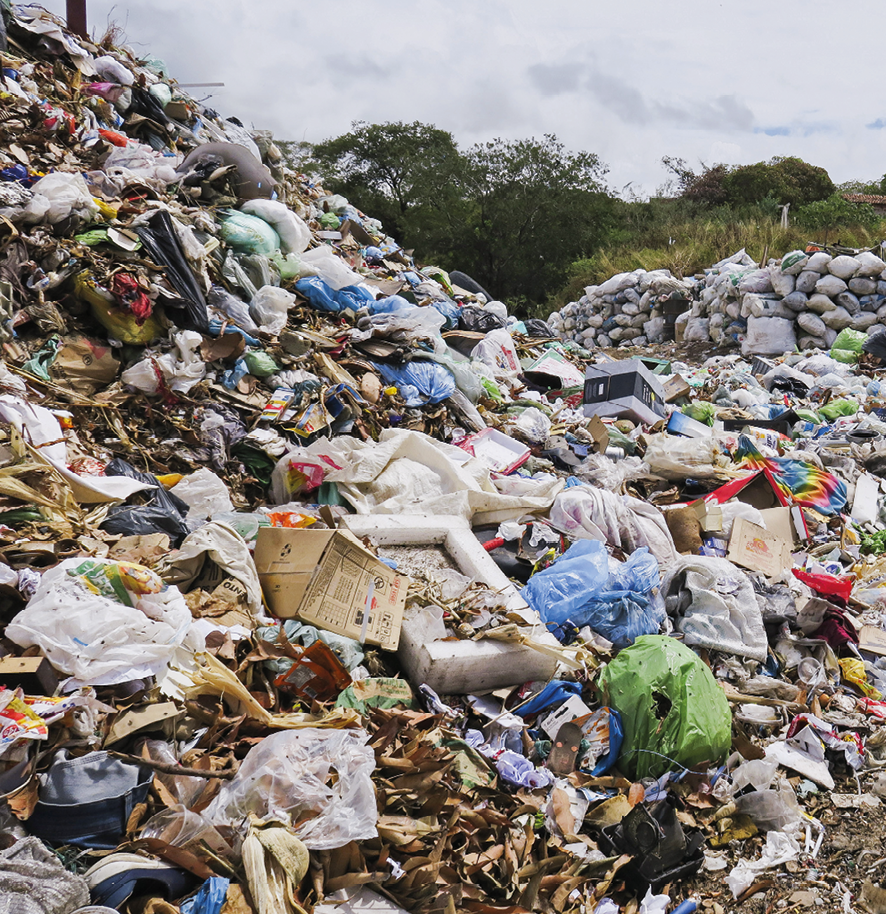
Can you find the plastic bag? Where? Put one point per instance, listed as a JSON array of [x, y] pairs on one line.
[[769, 336], [103, 622], [164, 512], [232, 307], [67, 195], [248, 234], [294, 234], [270, 307], [331, 269], [254, 178], [419, 381], [479, 320], [289, 776], [848, 345], [120, 324], [162, 245], [673, 711], [178, 370], [533, 424], [714, 606], [562, 590], [205, 494], [319, 294], [626, 605], [498, 351]]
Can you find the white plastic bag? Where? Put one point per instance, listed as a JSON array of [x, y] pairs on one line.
[[180, 369], [269, 308], [67, 194], [321, 778], [103, 622], [295, 236], [497, 350], [205, 494], [534, 424], [331, 269]]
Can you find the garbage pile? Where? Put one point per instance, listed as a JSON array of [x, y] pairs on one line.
[[329, 585], [806, 300]]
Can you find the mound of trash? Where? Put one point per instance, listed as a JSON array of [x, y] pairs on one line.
[[328, 584]]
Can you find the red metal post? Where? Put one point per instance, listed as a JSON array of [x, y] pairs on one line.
[[76, 11]]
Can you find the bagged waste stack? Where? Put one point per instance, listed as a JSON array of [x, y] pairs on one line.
[[328, 584], [803, 301], [630, 309]]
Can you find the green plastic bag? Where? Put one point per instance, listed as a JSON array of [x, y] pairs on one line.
[[701, 411], [837, 408], [248, 234], [288, 266], [259, 363], [847, 345], [807, 415], [673, 711]]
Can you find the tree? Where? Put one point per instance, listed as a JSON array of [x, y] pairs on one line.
[[512, 214], [533, 208], [786, 179], [389, 170], [780, 180]]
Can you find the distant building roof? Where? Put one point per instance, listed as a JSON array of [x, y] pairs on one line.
[[873, 199]]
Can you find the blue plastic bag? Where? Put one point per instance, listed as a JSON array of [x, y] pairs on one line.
[[210, 899], [555, 692], [578, 586], [562, 590], [419, 381], [390, 304], [449, 309], [318, 293], [639, 573]]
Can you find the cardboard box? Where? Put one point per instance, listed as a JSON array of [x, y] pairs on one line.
[[676, 387], [626, 389], [757, 549], [34, 675], [325, 577], [599, 433], [872, 640]]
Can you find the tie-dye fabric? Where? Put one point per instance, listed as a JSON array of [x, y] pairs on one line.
[[804, 483]]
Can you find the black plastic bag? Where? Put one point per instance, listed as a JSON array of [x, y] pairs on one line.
[[477, 320], [163, 513], [162, 246], [538, 327], [876, 345], [146, 105]]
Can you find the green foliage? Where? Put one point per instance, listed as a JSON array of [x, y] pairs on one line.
[[512, 214], [390, 170], [782, 180], [533, 207], [828, 215]]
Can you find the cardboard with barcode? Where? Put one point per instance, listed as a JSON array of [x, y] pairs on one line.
[[324, 578], [758, 549]]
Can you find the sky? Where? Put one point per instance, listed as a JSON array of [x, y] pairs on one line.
[[631, 81]]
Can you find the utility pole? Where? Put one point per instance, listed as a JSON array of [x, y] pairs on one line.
[[76, 11]]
